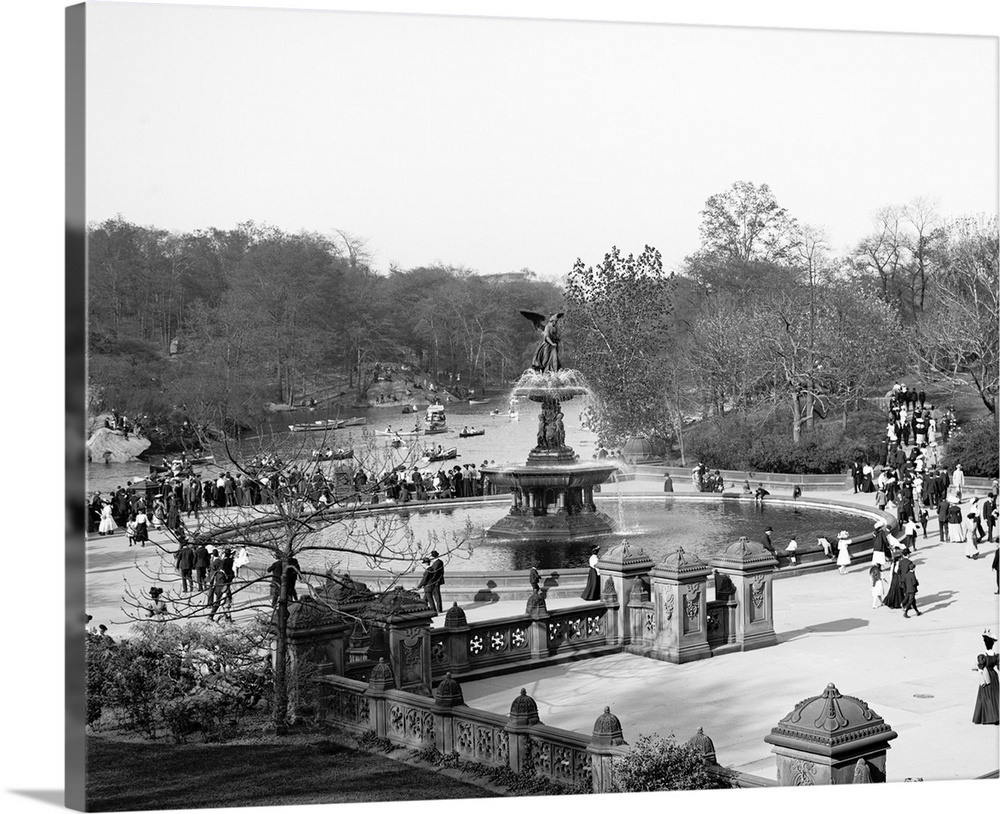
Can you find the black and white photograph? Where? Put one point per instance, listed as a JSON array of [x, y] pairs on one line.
[[470, 403]]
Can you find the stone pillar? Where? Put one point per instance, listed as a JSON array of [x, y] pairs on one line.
[[750, 567], [678, 595], [538, 630], [447, 696], [406, 621], [315, 646], [642, 618], [379, 681], [828, 739], [606, 743], [456, 628], [623, 565], [523, 715], [610, 600]]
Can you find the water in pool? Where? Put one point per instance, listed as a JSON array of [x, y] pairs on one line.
[[657, 524]]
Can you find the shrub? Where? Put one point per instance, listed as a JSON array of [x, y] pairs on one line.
[[662, 764], [736, 442], [975, 447], [201, 712]]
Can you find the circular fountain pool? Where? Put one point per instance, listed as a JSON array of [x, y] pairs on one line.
[[658, 524]]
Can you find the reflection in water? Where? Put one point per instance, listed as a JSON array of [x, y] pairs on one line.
[[658, 525]]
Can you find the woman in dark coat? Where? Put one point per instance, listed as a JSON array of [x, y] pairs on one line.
[[593, 590], [987, 710], [894, 596]]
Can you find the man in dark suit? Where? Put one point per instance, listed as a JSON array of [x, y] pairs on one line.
[[910, 585], [436, 580], [201, 562], [185, 562], [857, 474]]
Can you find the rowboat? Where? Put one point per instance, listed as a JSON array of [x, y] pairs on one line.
[[444, 455], [471, 433], [360, 421], [409, 408], [435, 430], [399, 433], [479, 401], [318, 426], [333, 455]]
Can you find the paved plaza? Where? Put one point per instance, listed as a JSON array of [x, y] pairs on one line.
[[917, 673]]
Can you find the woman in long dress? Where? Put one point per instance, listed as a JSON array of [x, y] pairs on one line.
[[108, 524], [971, 548], [987, 709], [141, 527], [593, 590], [881, 552], [894, 596], [843, 551]]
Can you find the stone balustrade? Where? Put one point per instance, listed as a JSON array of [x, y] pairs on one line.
[[828, 739]]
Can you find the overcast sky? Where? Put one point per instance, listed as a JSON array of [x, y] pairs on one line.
[[502, 144]]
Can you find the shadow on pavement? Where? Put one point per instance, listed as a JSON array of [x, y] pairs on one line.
[[836, 626]]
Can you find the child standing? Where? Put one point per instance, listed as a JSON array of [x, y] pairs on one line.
[[878, 588], [130, 530]]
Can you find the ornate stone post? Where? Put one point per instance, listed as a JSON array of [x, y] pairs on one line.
[[379, 681], [606, 743], [679, 603], [623, 565], [829, 738], [456, 628], [406, 620], [523, 715], [315, 646], [610, 600], [750, 567], [642, 617], [447, 696]]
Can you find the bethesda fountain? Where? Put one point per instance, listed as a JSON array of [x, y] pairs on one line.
[[552, 493]]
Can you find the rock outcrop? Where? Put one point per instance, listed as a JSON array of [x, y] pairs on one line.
[[112, 445]]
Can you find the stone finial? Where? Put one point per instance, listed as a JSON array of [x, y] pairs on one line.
[[679, 563], [607, 730], [703, 744], [455, 617], [625, 557], [536, 603], [829, 724], [608, 591], [524, 710], [862, 774], [448, 693], [380, 679], [744, 553]]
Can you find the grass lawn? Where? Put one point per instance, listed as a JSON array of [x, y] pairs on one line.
[[136, 775]]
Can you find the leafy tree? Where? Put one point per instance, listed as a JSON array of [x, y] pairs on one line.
[[619, 323], [747, 239]]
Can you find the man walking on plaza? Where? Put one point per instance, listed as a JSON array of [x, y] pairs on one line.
[[910, 585], [436, 580], [185, 562], [958, 480]]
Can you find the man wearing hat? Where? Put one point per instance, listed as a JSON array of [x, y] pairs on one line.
[[436, 580], [426, 585]]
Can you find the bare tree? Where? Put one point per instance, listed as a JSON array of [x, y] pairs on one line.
[[312, 520], [959, 338]]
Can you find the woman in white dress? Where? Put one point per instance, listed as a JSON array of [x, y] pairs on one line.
[[241, 560], [969, 527], [108, 524], [843, 554]]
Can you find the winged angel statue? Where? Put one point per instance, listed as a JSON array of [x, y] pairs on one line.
[[547, 356]]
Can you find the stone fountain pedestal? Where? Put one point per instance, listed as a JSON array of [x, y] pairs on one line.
[[552, 494]]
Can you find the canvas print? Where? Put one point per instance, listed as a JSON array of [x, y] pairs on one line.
[[499, 407]]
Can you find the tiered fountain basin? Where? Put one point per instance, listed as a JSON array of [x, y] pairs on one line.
[[551, 502]]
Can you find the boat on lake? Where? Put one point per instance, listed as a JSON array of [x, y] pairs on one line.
[[323, 425], [471, 433]]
